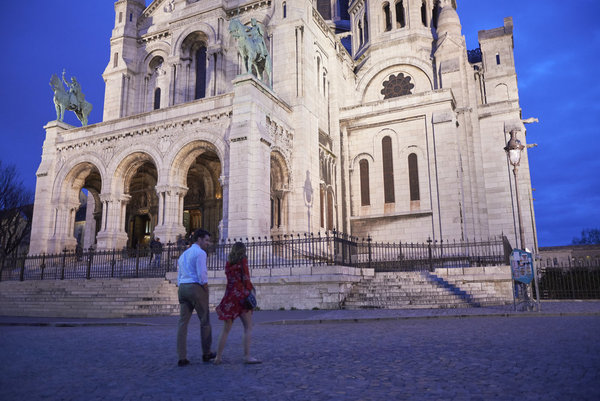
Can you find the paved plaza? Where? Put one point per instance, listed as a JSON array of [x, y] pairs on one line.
[[312, 355]]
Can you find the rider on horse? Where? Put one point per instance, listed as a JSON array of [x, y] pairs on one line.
[[76, 97]]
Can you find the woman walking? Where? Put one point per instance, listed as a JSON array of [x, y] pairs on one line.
[[232, 304]]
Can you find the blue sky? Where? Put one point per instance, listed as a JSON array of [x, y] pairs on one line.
[[557, 47]]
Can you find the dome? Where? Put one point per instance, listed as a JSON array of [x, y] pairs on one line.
[[448, 21]]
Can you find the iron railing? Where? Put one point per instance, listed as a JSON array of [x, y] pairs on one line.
[[571, 280], [285, 251]]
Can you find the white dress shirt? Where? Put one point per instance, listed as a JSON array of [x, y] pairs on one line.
[[192, 266]]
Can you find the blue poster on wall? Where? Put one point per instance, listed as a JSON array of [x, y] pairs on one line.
[[521, 266]]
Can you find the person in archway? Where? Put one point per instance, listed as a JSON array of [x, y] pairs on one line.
[[232, 305], [156, 247], [192, 279]]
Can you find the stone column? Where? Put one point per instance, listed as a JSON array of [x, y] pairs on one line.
[[89, 233], [170, 212], [112, 233]]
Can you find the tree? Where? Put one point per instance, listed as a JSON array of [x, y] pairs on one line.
[[16, 211], [588, 236]]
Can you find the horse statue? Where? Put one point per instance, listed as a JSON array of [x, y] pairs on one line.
[[252, 48], [73, 100]]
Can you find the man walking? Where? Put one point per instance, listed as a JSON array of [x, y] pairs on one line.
[[192, 280]]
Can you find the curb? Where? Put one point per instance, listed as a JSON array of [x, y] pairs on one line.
[[463, 316]]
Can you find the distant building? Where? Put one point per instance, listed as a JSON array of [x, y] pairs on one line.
[[570, 255], [378, 121]]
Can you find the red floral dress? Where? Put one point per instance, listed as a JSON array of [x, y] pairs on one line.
[[235, 292]]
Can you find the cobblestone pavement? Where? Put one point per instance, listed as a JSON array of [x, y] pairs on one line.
[[476, 358]]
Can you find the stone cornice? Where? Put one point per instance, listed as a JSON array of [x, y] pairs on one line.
[[87, 142], [232, 12]]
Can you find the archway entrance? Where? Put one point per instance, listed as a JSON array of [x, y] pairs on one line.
[[87, 185], [203, 203], [142, 210]]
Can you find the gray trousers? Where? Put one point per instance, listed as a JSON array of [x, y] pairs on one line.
[[193, 297]]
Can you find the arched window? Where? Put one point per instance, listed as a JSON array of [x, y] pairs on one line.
[[387, 17], [413, 177], [364, 183], [434, 14], [157, 99], [324, 84], [200, 92], [284, 10], [388, 169], [424, 13], [400, 20], [366, 27]]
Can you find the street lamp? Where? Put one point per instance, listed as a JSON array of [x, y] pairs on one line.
[[513, 150]]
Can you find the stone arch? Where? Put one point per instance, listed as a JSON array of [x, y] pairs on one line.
[[125, 163], [193, 51], [197, 168], [418, 69], [185, 155], [279, 188], [77, 214], [75, 166], [207, 30], [501, 92], [361, 156]]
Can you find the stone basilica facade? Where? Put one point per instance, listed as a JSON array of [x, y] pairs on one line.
[[377, 121]]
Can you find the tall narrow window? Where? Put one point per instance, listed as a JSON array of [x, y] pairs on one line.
[[200, 73], [116, 60], [388, 169], [284, 10], [387, 18], [413, 177], [360, 34], [130, 17], [424, 13], [434, 14], [157, 99], [400, 20], [364, 183], [366, 28], [498, 58], [319, 73], [120, 17]]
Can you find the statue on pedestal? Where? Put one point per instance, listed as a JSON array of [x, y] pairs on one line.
[[73, 100], [252, 48]]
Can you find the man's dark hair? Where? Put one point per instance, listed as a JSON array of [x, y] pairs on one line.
[[200, 233]]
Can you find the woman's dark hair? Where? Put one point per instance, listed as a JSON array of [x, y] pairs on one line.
[[238, 252]]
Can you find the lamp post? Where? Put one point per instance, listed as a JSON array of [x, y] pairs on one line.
[[513, 150]]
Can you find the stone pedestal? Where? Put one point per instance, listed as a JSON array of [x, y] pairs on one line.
[[45, 213], [249, 158]]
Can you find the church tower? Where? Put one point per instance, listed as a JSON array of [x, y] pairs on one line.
[[123, 47]]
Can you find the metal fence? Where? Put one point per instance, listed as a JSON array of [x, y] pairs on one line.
[[572, 280], [285, 251]]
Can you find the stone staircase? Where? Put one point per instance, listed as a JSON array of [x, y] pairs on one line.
[[97, 298], [411, 290]]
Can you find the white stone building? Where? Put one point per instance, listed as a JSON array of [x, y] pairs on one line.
[[378, 122]]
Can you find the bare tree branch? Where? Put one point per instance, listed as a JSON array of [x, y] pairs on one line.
[[16, 210]]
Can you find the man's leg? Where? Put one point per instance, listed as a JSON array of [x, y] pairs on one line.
[[185, 313], [203, 315]]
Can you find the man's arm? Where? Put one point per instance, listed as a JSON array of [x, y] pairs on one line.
[[201, 268]]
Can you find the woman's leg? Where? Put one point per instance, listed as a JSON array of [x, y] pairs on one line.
[[223, 339], [247, 322]]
